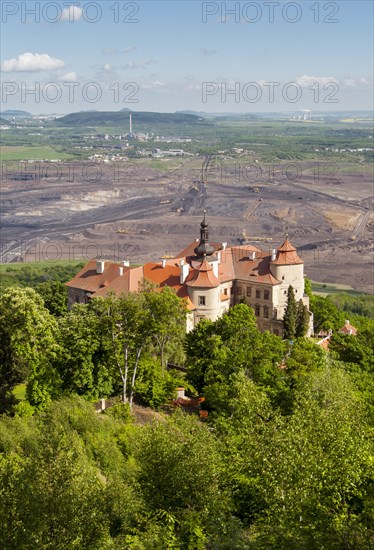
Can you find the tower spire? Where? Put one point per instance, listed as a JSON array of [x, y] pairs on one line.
[[204, 249]]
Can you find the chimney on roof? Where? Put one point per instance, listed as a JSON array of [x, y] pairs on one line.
[[163, 262], [185, 269], [224, 246], [126, 263], [214, 265], [219, 257], [252, 255], [346, 322], [273, 255], [120, 270], [100, 265]]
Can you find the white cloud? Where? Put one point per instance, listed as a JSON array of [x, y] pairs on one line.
[[350, 82], [107, 67], [69, 77], [71, 13], [364, 82], [30, 62], [305, 81]]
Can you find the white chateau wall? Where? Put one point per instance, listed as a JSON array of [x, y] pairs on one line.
[[288, 275], [212, 308]]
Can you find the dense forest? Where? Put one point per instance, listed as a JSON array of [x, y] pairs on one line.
[[282, 457]]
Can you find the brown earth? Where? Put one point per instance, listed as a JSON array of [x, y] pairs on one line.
[[133, 211]]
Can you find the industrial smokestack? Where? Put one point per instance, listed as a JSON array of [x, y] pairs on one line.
[[130, 124]]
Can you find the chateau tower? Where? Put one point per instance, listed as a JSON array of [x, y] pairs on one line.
[[288, 268]]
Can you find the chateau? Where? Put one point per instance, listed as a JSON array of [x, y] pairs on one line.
[[210, 277]]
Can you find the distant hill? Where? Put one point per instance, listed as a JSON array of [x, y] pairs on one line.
[[9, 113], [121, 118], [3, 121]]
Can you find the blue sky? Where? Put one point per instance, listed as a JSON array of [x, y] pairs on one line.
[[176, 55]]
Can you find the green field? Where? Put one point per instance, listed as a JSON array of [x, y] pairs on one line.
[[30, 153], [13, 267], [323, 289]]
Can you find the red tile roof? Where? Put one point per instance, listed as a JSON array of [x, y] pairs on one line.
[[203, 276], [87, 278], [287, 255], [246, 262], [348, 329]]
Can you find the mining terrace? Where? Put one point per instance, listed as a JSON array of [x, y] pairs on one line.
[[139, 213]]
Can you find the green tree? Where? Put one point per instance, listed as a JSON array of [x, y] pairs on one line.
[[289, 319], [308, 288], [179, 478], [58, 476], [29, 347], [84, 364], [199, 350], [168, 322], [302, 481], [326, 314], [55, 297], [302, 320], [126, 323]]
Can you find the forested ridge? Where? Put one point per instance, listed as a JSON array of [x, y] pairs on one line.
[[283, 460]]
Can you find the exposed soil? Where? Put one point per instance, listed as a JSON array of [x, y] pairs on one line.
[[141, 214]]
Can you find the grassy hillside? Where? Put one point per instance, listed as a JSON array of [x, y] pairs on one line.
[[120, 118]]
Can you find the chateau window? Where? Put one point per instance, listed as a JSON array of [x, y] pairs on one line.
[[201, 300], [258, 293], [257, 310], [239, 291], [249, 291], [285, 292], [266, 312], [266, 295], [282, 277], [225, 291], [296, 291]]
